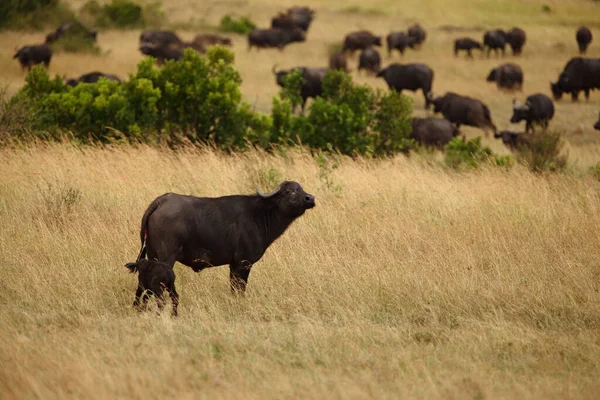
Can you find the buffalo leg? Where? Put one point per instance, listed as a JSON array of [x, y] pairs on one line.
[[587, 94], [238, 276], [575, 96], [138, 297]]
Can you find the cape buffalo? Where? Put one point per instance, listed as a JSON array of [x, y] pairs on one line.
[[494, 40], [580, 74], [92, 77], [463, 110], [154, 278], [160, 39], [507, 76], [279, 38], [295, 17], [516, 39], [597, 124], [399, 41], [467, 44], [203, 232], [161, 53], [418, 33], [513, 140], [312, 81], [538, 109], [433, 132], [584, 38], [68, 29], [33, 55], [370, 60], [337, 61], [359, 41], [408, 77]]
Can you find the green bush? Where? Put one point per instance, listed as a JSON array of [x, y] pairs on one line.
[[470, 153], [348, 118], [122, 14], [544, 152], [76, 43], [36, 14], [243, 25]]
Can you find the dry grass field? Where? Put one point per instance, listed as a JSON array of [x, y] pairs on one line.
[[406, 281]]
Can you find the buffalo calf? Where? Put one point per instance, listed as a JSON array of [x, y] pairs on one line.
[[155, 277], [538, 109], [467, 44]]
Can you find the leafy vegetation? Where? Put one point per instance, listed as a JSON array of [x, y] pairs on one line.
[[544, 153], [123, 14], [241, 25], [36, 14]]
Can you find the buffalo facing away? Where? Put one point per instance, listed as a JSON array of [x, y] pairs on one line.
[[584, 38], [418, 33], [203, 232], [507, 76], [29, 56], [312, 81], [295, 17], [337, 61], [494, 40], [467, 44], [409, 77], [154, 278], [597, 124], [359, 41], [275, 37], [580, 74], [92, 77], [463, 110], [516, 38], [538, 109], [68, 29], [513, 140], [369, 60], [433, 132], [399, 41]]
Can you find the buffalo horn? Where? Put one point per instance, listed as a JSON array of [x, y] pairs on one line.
[[268, 195]]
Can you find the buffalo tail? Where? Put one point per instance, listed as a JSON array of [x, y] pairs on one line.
[[144, 228]]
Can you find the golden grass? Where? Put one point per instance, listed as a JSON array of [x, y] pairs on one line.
[[406, 281]]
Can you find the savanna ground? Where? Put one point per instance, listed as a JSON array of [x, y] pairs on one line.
[[406, 281]]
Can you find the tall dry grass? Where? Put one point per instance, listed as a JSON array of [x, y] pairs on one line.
[[406, 281]]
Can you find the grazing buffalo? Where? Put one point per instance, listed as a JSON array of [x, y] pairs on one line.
[[337, 61], [359, 41], [312, 81], [597, 124], [409, 77], [400, 41], [463, 110], [538, 109], [295, 17], [205, 40], [369, 60], [154, 277], [29, 56], [161, 39], [580, 74], [513, 140], [516, 39], [507, 76], [584, 38], [418, 33], [92, 77], [279, 38], [494, 40], [467, 44], [203, 232], [433, 132], [70, 29]]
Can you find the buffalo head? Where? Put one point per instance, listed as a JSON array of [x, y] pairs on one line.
[[289, 198], [557, 91], [520, 112]]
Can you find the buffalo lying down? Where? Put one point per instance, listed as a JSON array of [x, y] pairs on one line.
[[203, 232]]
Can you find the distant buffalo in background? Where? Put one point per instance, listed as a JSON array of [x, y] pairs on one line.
[[274, 38], [92, 77], [433, 132], [399, 41], [463, 110], [337, 61], [495, 40], [68, 29], [418, 33], [507, 76], [538, 109], [580, 74], [369, 60], [295, 17], [160, 38], [359, 41], [312, 84], [584, 38], [466, 44], [516, 38], [29, 56], [412, 77]]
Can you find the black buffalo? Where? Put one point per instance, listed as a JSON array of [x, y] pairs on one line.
[[154, 278], [597, 124], [92, 77], [359, 41], [494, 40], [580, 74], [162, 53], [463, 110], [71, 29], [312, 81], [369, 60], [409, 77], [418, 33], [467, 44], [538, 109], [337, 61], [295, 17], [399, 41], [160, 39], [584, 38], [513, 140], [516, 38], [433, 132], [203, 232], [29, 56], [507, 76], [279, 38]]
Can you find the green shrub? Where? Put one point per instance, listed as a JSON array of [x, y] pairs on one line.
[[348, 118], [76, 43], [33, 14], [470, 153], [544, 152], [121, 14], [243, 25]]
